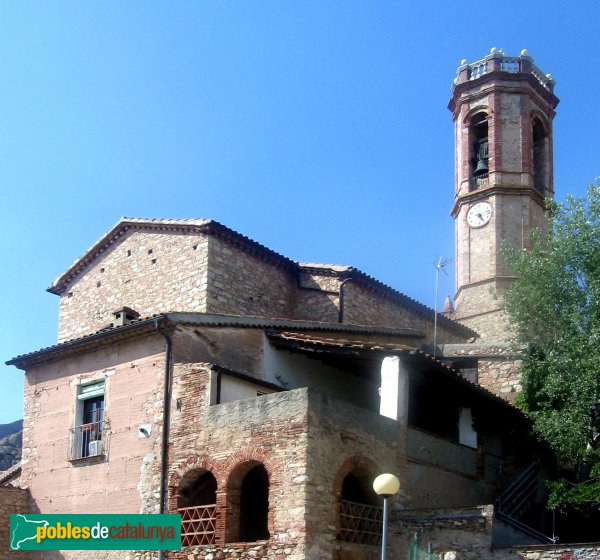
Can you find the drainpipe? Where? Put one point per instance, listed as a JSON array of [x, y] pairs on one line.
[[342, 300], [164, 459]]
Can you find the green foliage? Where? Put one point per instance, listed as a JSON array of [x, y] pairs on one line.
[[554, 307]]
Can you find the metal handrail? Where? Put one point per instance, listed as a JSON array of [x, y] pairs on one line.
[[87, 440], [525, 528]]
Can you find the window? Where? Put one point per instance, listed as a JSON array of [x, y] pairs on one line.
[[540, 157], [361, 517], [478, 138], [196, 503], [248, 502], [87, 437]]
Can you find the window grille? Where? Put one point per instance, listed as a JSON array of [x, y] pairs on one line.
[[198, 525], [360, 523]]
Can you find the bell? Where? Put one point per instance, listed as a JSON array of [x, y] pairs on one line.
[[481, 169]]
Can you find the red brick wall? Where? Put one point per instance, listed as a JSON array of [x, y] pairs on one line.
[[12, 500]]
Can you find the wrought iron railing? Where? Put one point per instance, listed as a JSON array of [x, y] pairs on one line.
[[514, 500], [360, 523], [87, 440], [198, 525]]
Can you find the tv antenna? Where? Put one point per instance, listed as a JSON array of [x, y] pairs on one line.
[[442, 263]]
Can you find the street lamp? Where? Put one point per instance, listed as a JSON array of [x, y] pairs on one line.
[[385, 485]]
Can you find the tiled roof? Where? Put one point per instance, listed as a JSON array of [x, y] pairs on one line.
[[326, 342], [148, 324], [160, 224], [8, 475], [427, 361]]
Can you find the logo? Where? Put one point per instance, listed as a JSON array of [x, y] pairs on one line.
[[95, 532]]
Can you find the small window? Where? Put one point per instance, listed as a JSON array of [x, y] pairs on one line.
[[87, 436]]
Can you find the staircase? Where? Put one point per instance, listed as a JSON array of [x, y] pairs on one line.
[[513, 503]]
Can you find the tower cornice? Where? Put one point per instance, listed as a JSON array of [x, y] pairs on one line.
[[485, 193]]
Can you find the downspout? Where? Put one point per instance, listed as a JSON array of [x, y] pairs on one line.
[[164, 459], [342, 300]]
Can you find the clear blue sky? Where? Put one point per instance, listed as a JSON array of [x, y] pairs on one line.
[[319, 129]]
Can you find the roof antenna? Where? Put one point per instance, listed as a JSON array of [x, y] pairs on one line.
[[440, 266]]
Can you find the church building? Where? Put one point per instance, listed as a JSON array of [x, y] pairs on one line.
[[199, 372]]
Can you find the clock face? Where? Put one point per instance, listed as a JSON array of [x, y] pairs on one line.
[[479, 214]]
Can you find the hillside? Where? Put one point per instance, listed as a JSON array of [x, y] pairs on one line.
[[11, 438]]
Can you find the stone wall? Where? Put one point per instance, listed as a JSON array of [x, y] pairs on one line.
[[241, 283], [498, 366], [148, 271], [154, 271], [12, 500], [346, 439], [229, 439], [368, 306], [467, 534]]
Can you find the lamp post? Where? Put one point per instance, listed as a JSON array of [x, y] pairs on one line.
[[385, 485]]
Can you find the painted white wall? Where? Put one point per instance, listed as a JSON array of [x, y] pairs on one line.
[[293, 371], [394, 389], [466, 434], [234, 389]]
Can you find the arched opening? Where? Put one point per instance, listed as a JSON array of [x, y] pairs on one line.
[[479, 153], [196, 503], [361, 515], [540, 157], [248, 503]]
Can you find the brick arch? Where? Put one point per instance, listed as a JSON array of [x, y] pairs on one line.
[[542, 119], [476, 111], [193, 463], [233, 471], [351, 464], [249, 455]]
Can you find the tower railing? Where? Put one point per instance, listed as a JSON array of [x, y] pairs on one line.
[[498, 61]]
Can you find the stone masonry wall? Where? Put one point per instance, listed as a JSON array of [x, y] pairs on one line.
[[318, 296], [367, 307], [240, 283], [346, 439], [269, 430], [498, 368], [466, 534], [157, 272], [147, 271], [12, 501]]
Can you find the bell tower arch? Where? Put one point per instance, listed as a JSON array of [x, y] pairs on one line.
[[502, 108]]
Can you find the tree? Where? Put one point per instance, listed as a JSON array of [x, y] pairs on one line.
[[554, 308]]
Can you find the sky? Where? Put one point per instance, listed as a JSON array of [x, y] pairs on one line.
[[319, 129]]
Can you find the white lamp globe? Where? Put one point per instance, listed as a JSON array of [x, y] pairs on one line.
[[386, 484]]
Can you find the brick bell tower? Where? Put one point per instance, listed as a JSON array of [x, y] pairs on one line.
[[502, 108]]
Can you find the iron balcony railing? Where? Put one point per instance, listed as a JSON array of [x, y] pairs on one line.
[[360, 523], [198, 525], [87, 440]]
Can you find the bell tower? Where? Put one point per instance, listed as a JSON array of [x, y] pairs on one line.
[[502, 108]]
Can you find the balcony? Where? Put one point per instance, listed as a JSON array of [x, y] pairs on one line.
[[87, 440]]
